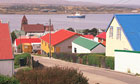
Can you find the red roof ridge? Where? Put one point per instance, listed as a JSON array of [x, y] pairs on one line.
[[58, 36], [102, 35], [5, 42], [27, 40]]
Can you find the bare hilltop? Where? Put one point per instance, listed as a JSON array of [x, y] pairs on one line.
[[60, 7]]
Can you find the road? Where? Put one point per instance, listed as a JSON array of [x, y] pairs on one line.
[[94, 74]]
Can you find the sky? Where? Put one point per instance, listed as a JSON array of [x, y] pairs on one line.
[[130, 2], [110, 2]]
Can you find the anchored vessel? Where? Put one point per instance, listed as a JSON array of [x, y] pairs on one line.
[[77, 15]]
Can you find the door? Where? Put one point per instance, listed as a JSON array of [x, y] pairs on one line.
[[57, 49]]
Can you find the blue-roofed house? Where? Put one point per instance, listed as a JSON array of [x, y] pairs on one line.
[[123, 33]]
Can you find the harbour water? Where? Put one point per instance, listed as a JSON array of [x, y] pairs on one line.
[[60, 21]]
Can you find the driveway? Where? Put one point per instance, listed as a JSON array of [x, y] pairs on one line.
[[94, 74]]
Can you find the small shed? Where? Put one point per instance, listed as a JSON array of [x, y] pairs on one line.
[[84, 45]]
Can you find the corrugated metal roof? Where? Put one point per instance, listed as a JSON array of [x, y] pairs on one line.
[[58, 36], [27, 40], [102, 35], [5, 42], [131, 27], [86, 43], [88, 36]]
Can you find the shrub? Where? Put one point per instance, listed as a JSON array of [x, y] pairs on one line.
[[51, 75], [8, 80], [25, 56], [93, 59], [109, 61], [66, 56]]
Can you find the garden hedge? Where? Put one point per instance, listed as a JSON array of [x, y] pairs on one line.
[[94, 59]]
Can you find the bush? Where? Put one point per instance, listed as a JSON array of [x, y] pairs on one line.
[[93, 59], [8, 80], [51, 75], [109, 61], [66, 56], [25, 56]]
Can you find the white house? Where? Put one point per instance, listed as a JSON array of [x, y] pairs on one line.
[[6, 54], [84, 45], [123, 33]]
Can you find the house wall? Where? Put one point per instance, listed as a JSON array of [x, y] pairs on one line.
[[103, 41], [113, 43], [96, 39], [26, 48], [36, 46], [7, 67], [45, 47], [65, 44], [99, 49], [35, 34], [127, 61], [79, 49]]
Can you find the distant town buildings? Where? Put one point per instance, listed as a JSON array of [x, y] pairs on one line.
[[34, 29], [89, 36], [27, 44]]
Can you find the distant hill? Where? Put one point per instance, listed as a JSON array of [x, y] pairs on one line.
[[49, 2]]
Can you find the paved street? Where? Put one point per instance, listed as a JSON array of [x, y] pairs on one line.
[[94, 74]]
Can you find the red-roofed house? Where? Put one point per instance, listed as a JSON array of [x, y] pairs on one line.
[[34, 28], [61, 41], [89, 36], [35, 43], [101, 38], [6, 54]]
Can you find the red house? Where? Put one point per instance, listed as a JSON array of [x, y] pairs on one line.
[[102, 38], [89, 36]]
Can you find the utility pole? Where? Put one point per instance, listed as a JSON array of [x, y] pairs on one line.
[[20, 42], [50, 38]]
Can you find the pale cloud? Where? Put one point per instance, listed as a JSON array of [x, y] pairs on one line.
[[131, 2]]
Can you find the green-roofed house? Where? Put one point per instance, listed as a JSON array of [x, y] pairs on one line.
[[84, 45]]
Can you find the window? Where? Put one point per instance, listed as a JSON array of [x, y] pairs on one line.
[[118, 33], [111, 32], [69, 46], [25, 46]]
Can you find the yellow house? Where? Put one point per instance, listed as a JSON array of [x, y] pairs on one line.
[[61, 41], [123, 33], [27, 47]]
